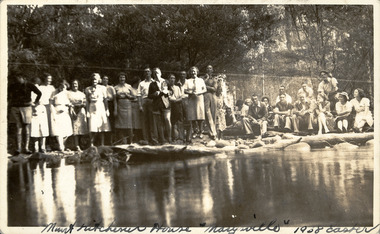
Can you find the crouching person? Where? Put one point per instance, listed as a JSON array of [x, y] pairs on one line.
[[282, 115], [302, 115], [256, 118]]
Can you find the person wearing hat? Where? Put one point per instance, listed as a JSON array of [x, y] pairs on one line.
[[343, 110], [19, 94], [62, 127], [329, 86]]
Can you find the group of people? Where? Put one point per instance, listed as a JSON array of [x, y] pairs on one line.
[[161, 110], [328, 111]]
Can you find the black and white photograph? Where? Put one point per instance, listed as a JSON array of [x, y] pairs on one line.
[[202, 117]]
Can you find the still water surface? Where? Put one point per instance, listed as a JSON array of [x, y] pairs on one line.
[[319, 188]]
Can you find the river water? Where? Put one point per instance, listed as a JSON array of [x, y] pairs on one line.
[[324, 187]]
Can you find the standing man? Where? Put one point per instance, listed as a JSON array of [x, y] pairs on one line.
[[210, 100], [145, 105], [257, 117], [111, 99], [19, 94], [287, 96], [185, 101], [329, 86]]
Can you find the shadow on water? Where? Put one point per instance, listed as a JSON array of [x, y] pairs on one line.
[[319, 188]]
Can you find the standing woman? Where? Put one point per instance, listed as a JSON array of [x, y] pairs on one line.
[[97, 109], [136, 114], [78, 112], [343, 110], [363, 114], [195, 87], [123, 109], [110, 90], [47, 91], [220, 111], [60, 113]]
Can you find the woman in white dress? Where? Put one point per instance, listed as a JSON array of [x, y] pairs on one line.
[[195, 87], [78, 112], [97, 109], [39, 123], [363, 114], [61, 116], [343, 110]]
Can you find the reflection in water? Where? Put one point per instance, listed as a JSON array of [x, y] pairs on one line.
[[309, 189]]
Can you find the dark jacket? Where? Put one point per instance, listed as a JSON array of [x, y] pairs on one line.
[[158, 100], [20, 95], [258, 112]]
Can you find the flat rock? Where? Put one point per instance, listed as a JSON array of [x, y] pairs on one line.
[[302, 146], [211, 144], [345, 146], [222, 143], [370, 142]]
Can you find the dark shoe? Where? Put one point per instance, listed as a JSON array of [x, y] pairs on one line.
[[27, 151]]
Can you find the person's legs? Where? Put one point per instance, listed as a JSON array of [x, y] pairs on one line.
[[42, 144], [296, 122], [92, 136], [168, 125], [27, 138], [263, 127], [276, 121], [200, 130], [345, 125], [247, 126], [288, 124], [60, 143], [209, 115], [157, 128], [340, 125]]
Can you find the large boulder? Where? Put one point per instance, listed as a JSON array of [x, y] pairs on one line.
[[300, 147]]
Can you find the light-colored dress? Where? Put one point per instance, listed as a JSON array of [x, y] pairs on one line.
[[360, 113], [47, 94], [60, 115], [220, 114], [39, 123], [80, 121], [124, 107], [196, 108], [98, 120]]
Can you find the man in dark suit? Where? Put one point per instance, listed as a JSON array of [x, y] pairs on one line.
[[256, 118]]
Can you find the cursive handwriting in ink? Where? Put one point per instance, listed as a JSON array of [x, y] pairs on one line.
[[110, 228], [51, 227], [229, 230], [159, 228], [271, 226], [332, 229]]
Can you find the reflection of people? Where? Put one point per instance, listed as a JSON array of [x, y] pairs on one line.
[[362, 113], [97, 109], [195, 87], [343, 110], [21, 108], [79, 119]]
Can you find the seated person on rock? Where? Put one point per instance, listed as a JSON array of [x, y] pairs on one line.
[[270, 118], [343, 112], [306, 90], [287, 96], [283, 114], [363, 115], [323, 114], [230, 117], [256, 118], [303, 115]]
